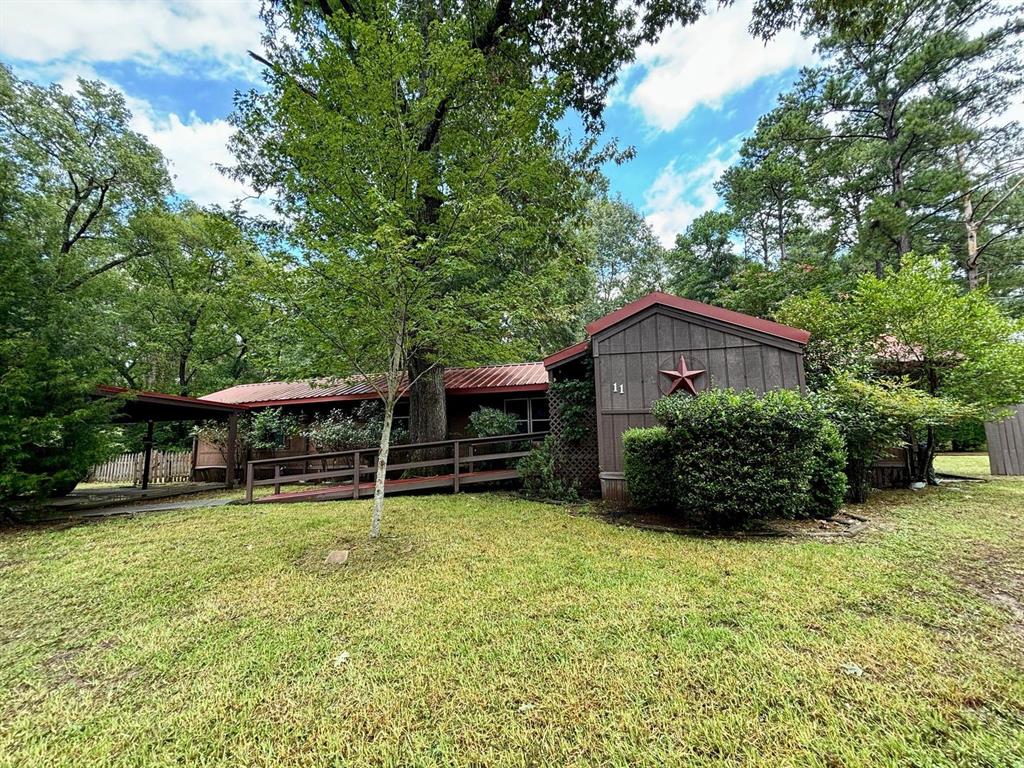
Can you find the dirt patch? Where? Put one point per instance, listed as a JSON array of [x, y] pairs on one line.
[[62, 667], [997, 576], [387, 551], [841, 526]]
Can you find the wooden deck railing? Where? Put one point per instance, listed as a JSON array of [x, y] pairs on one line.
[[462, 458]]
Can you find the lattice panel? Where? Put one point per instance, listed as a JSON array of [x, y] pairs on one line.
[[576, 462]]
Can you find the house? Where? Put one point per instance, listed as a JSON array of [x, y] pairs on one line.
[[655, 346], [516, 388]]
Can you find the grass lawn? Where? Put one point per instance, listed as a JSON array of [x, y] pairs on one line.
[[487, 630], [968, 464]]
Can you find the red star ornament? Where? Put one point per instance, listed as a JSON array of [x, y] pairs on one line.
[[682, 377]]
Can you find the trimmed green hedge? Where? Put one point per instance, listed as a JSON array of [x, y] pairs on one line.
[[648, 465], [725, 457]]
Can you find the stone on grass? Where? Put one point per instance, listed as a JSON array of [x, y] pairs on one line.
[[852, 669], [336, 557]]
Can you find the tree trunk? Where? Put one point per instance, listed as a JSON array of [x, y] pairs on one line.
[[394, 380], [782, 233], [971, 226], [917, 458], [428, 413], [382, 467], [897, 185]]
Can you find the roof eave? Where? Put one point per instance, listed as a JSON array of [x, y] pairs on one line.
[[566, 355], [728, 316]]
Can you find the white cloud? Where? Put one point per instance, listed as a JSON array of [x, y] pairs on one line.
[[677, 197], [702, 63], [193, 148], [211, 36]]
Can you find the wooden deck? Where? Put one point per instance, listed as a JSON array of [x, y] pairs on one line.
[[350, 474], [398, 485]]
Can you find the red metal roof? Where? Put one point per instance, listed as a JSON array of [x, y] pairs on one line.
[[704, 310], [569, 353], [163, 398], [488, 379]]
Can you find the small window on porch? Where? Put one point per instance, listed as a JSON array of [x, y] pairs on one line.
[[400, 420], [531, 414], [540, 420]]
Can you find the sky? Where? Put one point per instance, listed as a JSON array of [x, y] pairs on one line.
[[685, 104]]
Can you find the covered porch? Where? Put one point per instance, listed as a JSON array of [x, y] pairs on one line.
[[140, 407]]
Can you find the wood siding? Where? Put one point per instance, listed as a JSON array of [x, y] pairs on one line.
[[629, 356], [1006, 444]]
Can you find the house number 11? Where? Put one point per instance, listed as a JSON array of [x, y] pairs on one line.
[[618, 389]]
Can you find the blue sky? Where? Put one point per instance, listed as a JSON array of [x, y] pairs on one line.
[[685, 104]]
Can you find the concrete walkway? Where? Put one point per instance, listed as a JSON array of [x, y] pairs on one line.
[[129, 509]]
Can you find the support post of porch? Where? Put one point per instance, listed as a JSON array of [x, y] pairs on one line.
[[232, 448], [147, 454]]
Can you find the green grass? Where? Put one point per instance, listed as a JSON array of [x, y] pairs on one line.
[[487, 630], [968, 464]]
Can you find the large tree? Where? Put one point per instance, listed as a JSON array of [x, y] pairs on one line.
[[437, 78], [897, 140], [410, 242], [75, 182], [704, 262], [183, 317], [626, 259], [899, 98]]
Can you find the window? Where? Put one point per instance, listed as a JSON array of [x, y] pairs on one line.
[[400, 419], [540, 421], [531, 413]]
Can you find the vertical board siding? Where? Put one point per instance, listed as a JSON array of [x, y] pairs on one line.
[[632, 354], [1006, 444]]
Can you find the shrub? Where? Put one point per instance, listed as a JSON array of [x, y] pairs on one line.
[[870, 422], [648, 466], [828, 472], [874, 418], [344, 430], [268, 429], [490, 422], [733, 457], [540, 480], [575, 399]]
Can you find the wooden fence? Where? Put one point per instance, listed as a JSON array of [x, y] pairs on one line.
[[166, 467], [1006, 444]]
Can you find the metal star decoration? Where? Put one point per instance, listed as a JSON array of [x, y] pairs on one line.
[[682, 377]]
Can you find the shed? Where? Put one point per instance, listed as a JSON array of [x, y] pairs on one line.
[[662, 344]]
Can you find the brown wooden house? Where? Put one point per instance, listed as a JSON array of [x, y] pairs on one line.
[[519, 389], [662, 344], [650, 348]]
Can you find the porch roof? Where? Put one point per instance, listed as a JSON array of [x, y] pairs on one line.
[[142, 406], [483, 380]]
